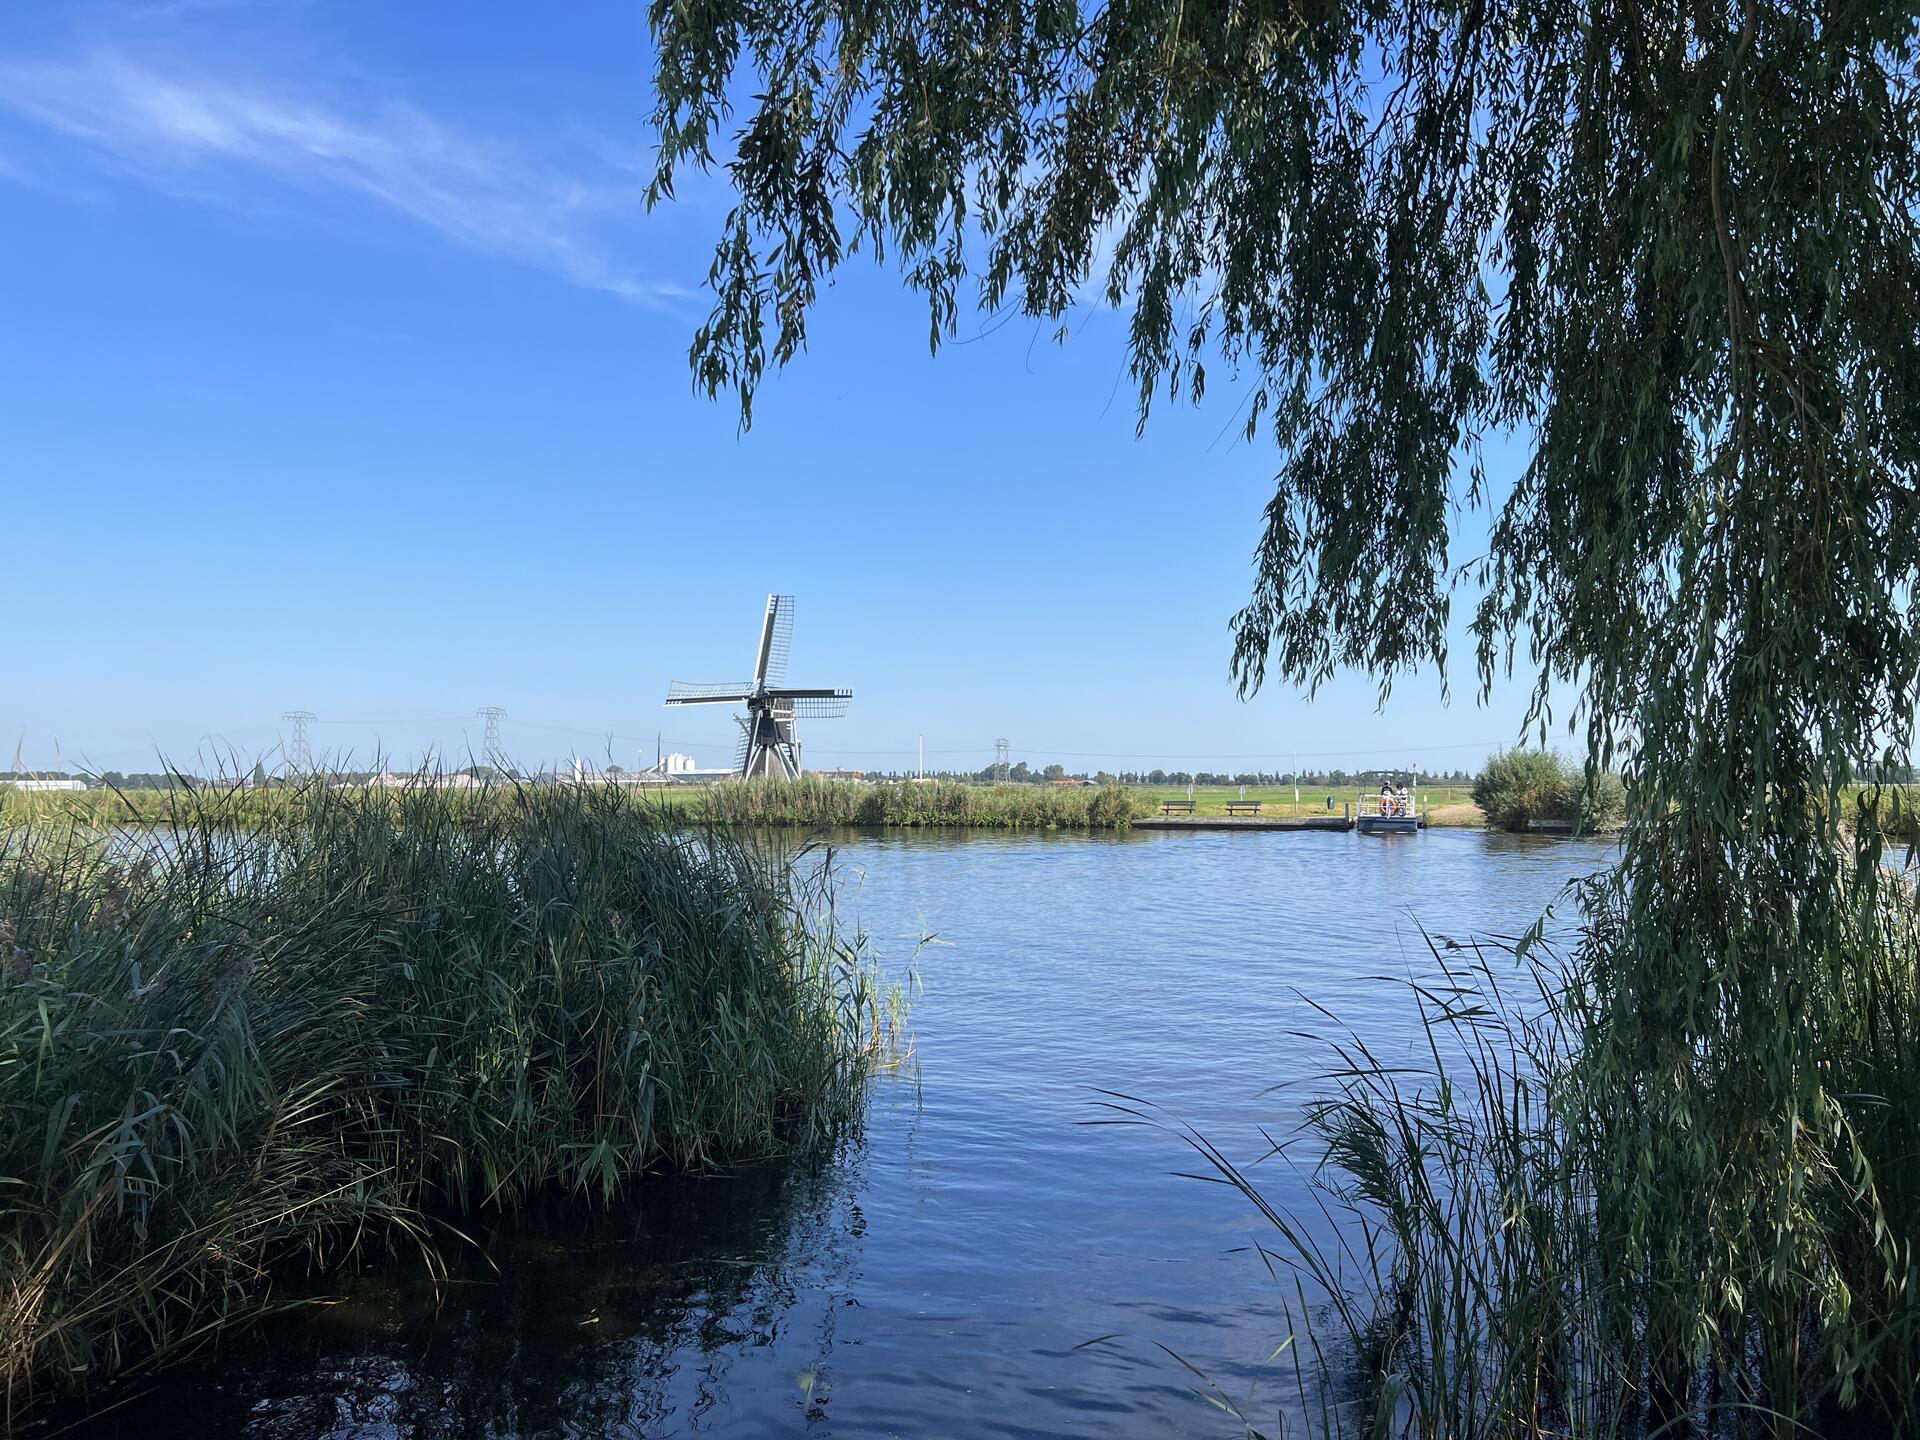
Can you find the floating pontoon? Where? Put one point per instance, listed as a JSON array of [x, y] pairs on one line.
[[1388, 813]]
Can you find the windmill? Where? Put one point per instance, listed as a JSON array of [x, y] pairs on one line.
[[767, 743]]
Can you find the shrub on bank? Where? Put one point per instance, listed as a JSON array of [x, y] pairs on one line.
[[1520, 785], [226, 1050]]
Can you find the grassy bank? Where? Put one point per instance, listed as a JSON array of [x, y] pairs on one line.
[[777, 804], [933, 804], [809, 802], [227, 1049]]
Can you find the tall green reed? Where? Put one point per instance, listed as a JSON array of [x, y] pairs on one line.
[[1461, 1271], [941, 804], [808, 802], [233, 1046]]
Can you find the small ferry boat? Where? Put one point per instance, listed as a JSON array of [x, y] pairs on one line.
[[1388, 812]]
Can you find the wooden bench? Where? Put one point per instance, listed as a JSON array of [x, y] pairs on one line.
[[1243, 807], [1169, 806]]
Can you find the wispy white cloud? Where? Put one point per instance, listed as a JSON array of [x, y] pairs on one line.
[[564, 206], [174, 9]]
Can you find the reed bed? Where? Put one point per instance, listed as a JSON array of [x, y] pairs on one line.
[[1468, 1266], [936, 804], [228, 1050], [773, 804]]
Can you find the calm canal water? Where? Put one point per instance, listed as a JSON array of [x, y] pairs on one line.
[[939, 1276]]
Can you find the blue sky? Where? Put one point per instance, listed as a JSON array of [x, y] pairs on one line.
[[341, 368]]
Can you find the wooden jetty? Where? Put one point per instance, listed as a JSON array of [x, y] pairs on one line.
[[1245, 822], [1369, 819]]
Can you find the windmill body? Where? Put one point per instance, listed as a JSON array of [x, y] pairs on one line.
[[768, 743]]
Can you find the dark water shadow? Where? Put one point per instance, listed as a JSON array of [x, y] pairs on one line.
[[560, 1322]]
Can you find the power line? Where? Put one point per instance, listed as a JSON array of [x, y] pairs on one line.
[[299, 756], [1396, 747], [491, 716], [1388, 749]]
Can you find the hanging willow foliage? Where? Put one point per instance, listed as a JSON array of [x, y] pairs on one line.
[[1672, 249]]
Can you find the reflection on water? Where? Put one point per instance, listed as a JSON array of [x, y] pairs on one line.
[[625, 1324], [942, 1276]]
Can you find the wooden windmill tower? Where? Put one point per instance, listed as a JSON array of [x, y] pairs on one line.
[[767, 742]]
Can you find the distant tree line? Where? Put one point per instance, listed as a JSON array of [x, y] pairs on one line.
[[1021, 773], [1885, 774], [258, 777], [1287, 777], [139, 780]]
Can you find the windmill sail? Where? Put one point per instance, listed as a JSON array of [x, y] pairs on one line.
[[768, 745], [680, 692], [776, 640], [813, 704]]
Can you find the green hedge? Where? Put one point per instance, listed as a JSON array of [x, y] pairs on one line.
[[1522, 785]]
